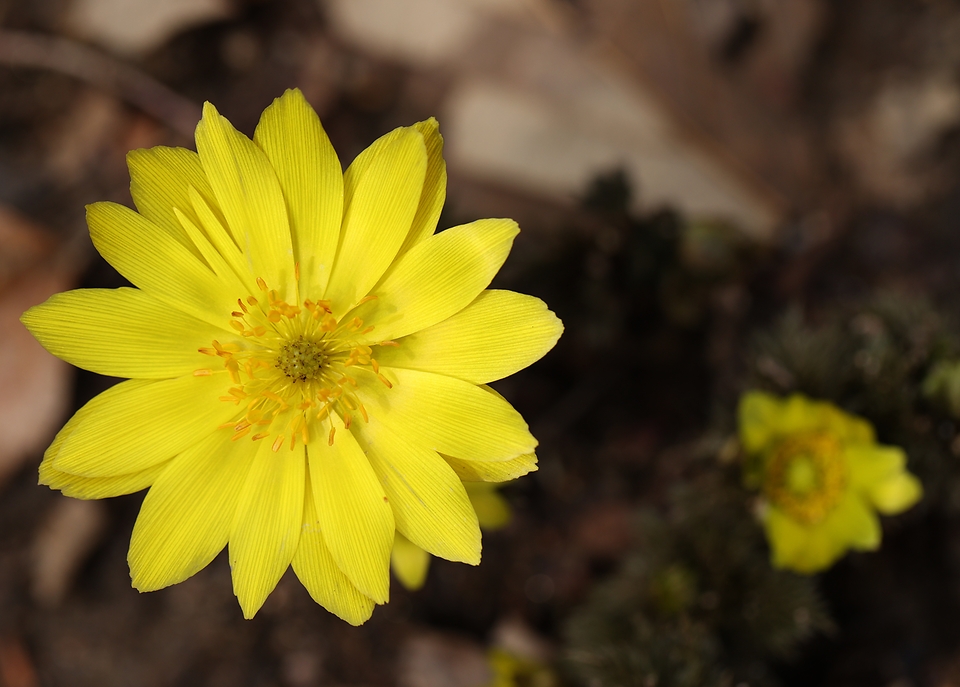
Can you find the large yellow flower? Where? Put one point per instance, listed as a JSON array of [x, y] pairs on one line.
[[823, 477], [307, 360]]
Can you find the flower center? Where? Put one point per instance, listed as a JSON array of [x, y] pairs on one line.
[[290, 366], [805, 476], [302, 360]]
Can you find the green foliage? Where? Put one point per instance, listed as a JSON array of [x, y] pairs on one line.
[[696, 604]]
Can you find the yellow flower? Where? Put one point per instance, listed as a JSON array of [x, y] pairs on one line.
[[307, 360], [822, 476], [410, 563]]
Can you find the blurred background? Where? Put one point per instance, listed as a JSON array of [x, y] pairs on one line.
[[714, 195]]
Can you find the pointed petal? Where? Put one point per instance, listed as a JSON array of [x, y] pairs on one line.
[[159, 179], [434, 186], [802, 549], [896, 494], [121, 333], [493, 471], [137, 424], [91, 487], [438, 277], [377, 218], [430, 504], [853, 524], [355, 516], [266, 527], [409, 562], [499, 333], [318, 572], [248, 193], [870, 464], [310, 175], [186, 517], [158, 264], [447, 415], [756, 415]]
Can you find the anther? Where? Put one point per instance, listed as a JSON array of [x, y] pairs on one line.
[[262, 284], [202, 373]]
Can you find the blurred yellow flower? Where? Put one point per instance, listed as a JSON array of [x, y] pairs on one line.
[[307, 360], [823, 477], [410, 563]]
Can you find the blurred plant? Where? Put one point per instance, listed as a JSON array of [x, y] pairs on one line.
[[891, 361], [302, 347], [696, 603], [410, 563], [510, 670], [822, 476]]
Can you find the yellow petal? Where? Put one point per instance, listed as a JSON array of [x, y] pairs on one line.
[[447, 415], [249, 194], [233, 280], [355, 516], [756, 414], [158, 264], [870, 464], [137, 424], [310, 175], [159, 179], [219, 237], [499, 333], [91, 487], [896, 494], [493, 511], [187, 515], [438, 277], [852, 524], [498, 471], [802, 549], [377, 217], [434, 186], [121, 333], [267, 524], [430, 504], [410, 563], [318, 572]]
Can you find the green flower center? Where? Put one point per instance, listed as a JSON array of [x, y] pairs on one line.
[[301, 359], [805, 476]]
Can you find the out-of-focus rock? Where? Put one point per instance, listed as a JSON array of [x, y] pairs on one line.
[[64, 542], [135, 27], [888, 143], [437, 660], [516, 637], [531, 104]]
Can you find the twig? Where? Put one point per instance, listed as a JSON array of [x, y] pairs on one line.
[[23, 49]]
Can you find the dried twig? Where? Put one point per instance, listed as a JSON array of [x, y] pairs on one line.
[[24, 49]]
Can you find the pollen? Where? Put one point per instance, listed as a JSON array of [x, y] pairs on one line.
[[289, 365], [806, 476]]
